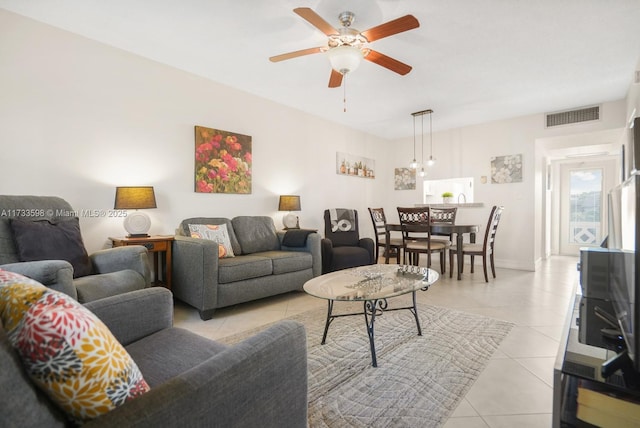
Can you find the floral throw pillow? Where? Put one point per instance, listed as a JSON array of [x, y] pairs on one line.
[[66, 350], [214, 232]]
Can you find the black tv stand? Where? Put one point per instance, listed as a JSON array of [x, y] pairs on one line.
[[622, 362], [594, 362]]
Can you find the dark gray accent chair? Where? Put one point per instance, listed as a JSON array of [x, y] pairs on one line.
[[113, 270], [195, 382], [345, 249], [263, 266]]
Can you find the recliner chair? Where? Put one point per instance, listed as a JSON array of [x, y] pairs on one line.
[[342, 246], [41, 218]]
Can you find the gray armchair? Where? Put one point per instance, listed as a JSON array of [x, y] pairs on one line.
[[106, 272], [195, 382]]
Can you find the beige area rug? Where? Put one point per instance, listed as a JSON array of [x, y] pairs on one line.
[[419, 380]]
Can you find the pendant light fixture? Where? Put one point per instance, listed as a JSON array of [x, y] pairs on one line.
[[431, 160], [422, 173], [415, 164]]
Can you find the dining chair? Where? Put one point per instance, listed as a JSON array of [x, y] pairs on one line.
[[485, 249], [416, 236], [446, 216], [383, 236]]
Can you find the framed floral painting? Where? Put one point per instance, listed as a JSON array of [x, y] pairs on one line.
[[506, 169], [405, 179], [222, 161]]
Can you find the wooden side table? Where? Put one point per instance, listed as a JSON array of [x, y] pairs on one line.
[[159, 246]]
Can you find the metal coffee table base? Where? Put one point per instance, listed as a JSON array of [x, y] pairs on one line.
[[372, 308]]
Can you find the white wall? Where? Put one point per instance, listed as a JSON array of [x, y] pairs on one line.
[[467, 152], [78, 118]]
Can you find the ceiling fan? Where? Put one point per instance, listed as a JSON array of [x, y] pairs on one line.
[[346, 47]]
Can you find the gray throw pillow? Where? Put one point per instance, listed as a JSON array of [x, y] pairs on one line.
[[46, 240]]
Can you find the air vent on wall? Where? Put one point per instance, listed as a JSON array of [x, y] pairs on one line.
[[573, 116]]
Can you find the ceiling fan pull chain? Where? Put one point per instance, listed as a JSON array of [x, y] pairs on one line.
[[344, 93]]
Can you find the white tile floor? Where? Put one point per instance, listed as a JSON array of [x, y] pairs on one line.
[[516, 388]]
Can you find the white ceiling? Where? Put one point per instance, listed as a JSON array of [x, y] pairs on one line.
[[473, 60]]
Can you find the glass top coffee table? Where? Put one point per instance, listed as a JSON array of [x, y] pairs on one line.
[[372, 285]]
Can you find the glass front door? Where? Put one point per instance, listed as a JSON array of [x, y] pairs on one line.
[[584, 203]]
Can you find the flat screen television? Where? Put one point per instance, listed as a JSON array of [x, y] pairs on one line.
[[624, 283], [624, 259]]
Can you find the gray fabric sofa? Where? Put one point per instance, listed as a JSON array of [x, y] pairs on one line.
[[263, 264], [109, 272], [195, 382]]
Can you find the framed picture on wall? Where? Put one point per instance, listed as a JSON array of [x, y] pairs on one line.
[[404, 179], [506, 169], [222, 161]]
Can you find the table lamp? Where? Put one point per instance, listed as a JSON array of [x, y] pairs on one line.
[[290, 203], [136, 223]]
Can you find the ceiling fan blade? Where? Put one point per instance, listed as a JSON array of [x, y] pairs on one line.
[[388, 62], [335, 81], [405, 23], [295, 54], [316, 20]]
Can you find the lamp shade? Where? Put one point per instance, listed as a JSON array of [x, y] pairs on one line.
[[133, 198], [345, 59], [289, 203]]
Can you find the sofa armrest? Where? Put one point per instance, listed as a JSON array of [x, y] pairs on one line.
[[55, 274], [134, 257], [195, 272], [370, 246], [136, 314], [261, 381], [312, 245]]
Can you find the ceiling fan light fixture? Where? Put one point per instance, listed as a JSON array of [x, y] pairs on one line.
[[345, 59]]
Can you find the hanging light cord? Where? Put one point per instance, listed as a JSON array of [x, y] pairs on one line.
[[422, 138], [344, 92], [414, 139], [430, 138]]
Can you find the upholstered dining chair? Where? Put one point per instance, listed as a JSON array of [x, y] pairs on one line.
[[416, 236], [383, 237], [485, 249]]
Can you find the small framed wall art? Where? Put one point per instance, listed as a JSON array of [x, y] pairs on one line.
[[506, 169], [405, 179], [222, 161]]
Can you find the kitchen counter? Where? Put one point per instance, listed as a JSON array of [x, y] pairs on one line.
[[452, 205]]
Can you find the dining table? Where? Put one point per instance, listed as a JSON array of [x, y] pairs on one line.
[[445, 229]]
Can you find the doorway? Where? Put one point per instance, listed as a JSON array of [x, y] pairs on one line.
[[584, 186]]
